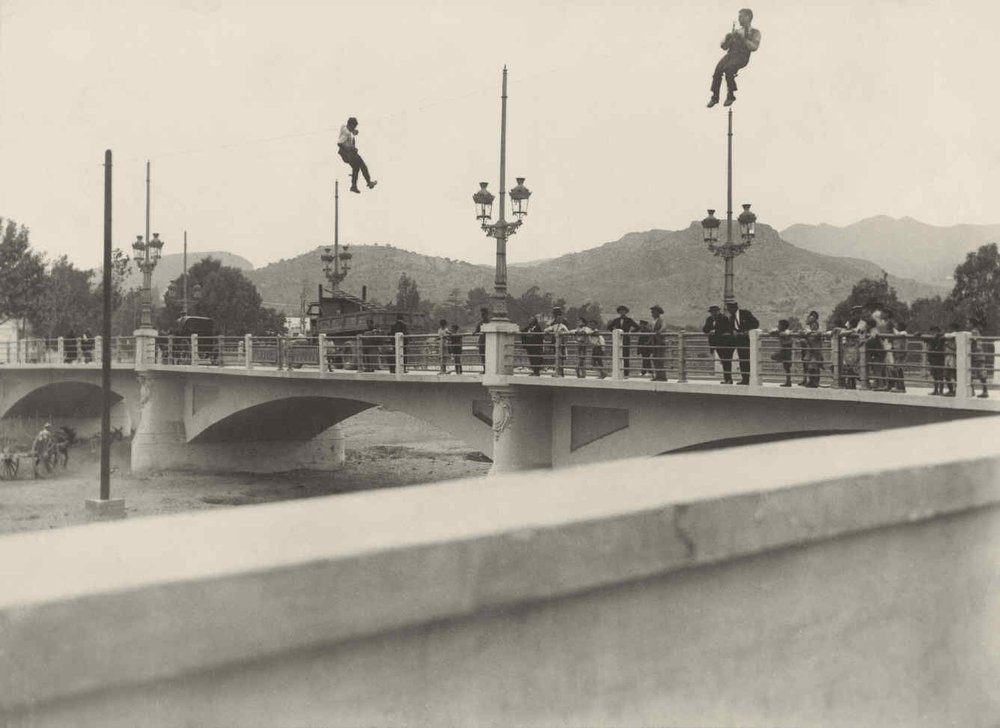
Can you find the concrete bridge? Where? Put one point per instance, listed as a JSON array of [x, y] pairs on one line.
[[250, 412]]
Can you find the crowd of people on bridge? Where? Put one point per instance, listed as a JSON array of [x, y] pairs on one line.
[[872, 347]]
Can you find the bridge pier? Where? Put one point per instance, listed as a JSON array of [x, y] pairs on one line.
[[160, 441], [522, 429]]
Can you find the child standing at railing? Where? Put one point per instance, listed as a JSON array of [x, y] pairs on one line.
[[581, 336]]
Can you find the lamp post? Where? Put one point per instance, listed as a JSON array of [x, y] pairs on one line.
[[501, 229], [337, 264], [147, 255], [747, 222]]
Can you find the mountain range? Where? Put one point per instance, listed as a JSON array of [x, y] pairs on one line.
[[904, 246], [671, 268]]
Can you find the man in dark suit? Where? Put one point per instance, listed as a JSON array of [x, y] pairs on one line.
[[626, 324], [720, 339], [743, 322]]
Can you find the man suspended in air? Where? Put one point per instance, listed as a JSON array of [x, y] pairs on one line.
[[738, 44], [348, 150]]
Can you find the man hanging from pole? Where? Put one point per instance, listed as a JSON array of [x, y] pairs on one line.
[[738, 44], [348, 149]]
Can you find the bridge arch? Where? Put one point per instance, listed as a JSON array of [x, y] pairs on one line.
[[289, 418], [60, 400]]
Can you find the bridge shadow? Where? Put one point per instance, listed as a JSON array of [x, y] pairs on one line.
[[757, 440]]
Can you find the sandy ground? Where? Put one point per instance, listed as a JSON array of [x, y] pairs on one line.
[[384, 450]]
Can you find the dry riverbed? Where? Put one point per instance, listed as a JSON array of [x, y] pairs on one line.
[[384, 450]]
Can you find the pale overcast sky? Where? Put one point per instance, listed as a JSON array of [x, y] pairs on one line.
[[850, 109]]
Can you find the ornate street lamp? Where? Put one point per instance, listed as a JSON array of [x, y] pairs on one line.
[[747, 222], [147, 255], [501, 229], [336, 265]]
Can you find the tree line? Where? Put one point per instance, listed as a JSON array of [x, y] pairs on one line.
[[51, 299], [55, 298], [975, 297]]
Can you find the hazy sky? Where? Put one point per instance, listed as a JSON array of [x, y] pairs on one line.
[[850, 109]]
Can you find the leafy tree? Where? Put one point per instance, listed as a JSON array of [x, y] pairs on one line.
[[22, 272], [223, 294], [476, 299], [407, 294], [66, 302], [867, 292], [977, 286]]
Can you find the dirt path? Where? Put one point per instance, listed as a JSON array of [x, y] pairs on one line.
[[384, 450]]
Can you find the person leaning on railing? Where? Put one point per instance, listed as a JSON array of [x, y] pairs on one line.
[[531, 336]]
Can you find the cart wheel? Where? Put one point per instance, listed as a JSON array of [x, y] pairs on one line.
[[8, 468]]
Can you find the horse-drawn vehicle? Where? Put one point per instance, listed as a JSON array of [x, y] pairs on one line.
[[46, 454]]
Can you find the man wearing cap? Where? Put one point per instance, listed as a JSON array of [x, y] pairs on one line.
[[625, 324], [348, 149], [719, 330], [743, 322]]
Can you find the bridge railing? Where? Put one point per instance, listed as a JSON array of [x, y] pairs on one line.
[[65, 350], [949, 364]]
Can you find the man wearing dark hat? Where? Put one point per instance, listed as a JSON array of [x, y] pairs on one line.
[[348, 150], [719, 330], [743, 322], [625, 324]]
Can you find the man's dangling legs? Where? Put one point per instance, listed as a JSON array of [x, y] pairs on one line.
[[731, 70], [358, 165], [717, 81]]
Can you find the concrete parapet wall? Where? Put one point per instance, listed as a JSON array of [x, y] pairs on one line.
[[847, 581]]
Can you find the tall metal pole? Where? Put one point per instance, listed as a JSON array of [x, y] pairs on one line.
[[106, 340], [185, 272], [336, 230], [728, 292], [499, 312], [146, 321]]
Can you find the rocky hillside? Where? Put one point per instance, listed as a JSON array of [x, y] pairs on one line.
[[775, 278], [907, 247]]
